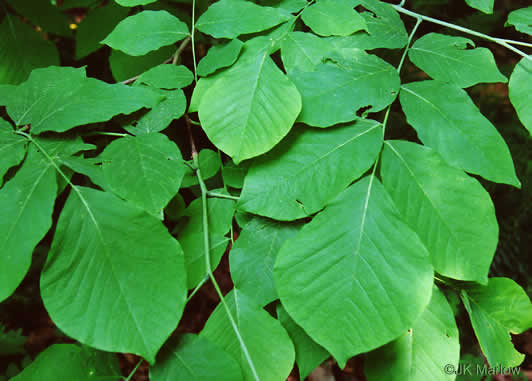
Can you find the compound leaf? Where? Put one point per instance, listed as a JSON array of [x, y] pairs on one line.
[[16, 63], [26, 206], [60, 98], [308, 169], [423, 351], [146, 31], [521, 19], [258, 330], [333, 18], [253, 254], [309, 354], [335, 91], [447, 58], [231, 18], [220, 56], [146, 170], [448, 121], [249, 108], [194, 358], [450, 211], [362, 264], [496, 309], [519, 92], [113, 274], [77, 363]]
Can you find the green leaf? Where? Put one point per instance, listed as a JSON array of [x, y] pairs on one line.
[[209, 163], [220, 56], [519, 91], [16, 63], [113, 275], [423, 352], [170, 108], [521, 19], [359, 262], [496, 309], [95, 26], [308, 169], [448, 121], [335, 91], [124, 67], [385, 29], [258, 331], [134, 3], [485, 6], [233, 175], [450, 211], [333, 18], [249, 108], [220, 216], [175, 208], [146, 31], [194, 358], [76, 363], [231, 18], [309, 354], [26, 206], [253, 255], [83, 100], [146, 170], [12, 148], [11, 342], [447, 58], [303, 51], [44, 15], [167, 77], [199, 91]]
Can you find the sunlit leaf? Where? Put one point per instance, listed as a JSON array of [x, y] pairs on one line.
[[333, 18], [519, 91]]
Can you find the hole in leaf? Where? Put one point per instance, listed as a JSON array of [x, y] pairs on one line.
[[363, 111]]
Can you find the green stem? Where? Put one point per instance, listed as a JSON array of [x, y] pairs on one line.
[[192, 38], [106, 133], [499, 41], [134, 370], [208, 266], [201, 283], [528, 45], [418, 22], [221, 195]]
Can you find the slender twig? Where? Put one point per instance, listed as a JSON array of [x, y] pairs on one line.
[[134, 370], [201, 283], [513, 42], [496, 40], [106, 133], [180, 49], [220, 195], [191, 166], [194, 122], [191, 139], [419, 20], [206, 246]]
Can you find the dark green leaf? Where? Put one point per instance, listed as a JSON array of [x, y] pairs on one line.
[[112, 275], [361, 264], [44, 15], [521, 19], [12, 148], [11, 342], [485, 6], [209, 163], [146, 31], [308, 169], [231, 18], [124, 67], [82, 100], [233, 175], [447, 120]]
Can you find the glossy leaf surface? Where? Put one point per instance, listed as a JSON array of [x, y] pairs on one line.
[[361, 263], [447, 120], [308, 169]]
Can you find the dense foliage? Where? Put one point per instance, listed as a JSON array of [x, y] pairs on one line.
[[349, 193]]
